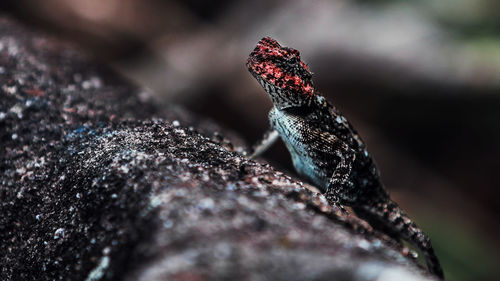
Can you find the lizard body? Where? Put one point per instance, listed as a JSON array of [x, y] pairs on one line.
[[325, 148]]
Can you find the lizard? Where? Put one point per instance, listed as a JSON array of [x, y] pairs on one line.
[[325, 148]]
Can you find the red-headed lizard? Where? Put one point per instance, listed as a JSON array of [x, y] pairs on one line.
[[325, 148]]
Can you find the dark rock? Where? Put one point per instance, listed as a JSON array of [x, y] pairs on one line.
[[98, 182]]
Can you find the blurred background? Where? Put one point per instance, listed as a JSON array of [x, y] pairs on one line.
[[420, 80]]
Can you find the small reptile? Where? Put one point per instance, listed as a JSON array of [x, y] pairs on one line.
[[326, 150]]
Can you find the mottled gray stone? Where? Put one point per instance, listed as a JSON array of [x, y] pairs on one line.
[[99, 183]]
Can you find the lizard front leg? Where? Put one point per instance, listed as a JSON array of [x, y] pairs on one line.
[[340, 186], [270, 136]]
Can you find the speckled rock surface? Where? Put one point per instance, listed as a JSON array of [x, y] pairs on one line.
[[98, 182]]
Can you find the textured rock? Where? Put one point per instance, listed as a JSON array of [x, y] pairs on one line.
[[98, 182]]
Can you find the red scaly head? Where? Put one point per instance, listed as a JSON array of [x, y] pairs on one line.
[[281, 73]]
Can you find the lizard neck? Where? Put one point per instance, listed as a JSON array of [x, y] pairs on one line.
[[283, 98]]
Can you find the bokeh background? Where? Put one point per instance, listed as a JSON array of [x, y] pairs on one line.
[[420, 80]]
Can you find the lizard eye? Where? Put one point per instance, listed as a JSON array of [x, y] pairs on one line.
[[294, 60]]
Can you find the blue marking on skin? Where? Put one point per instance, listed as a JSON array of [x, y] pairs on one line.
[[88, 131], [79, 130], [301, 159], [76, 133]]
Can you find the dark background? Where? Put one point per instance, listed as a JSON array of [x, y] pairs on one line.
[[420, 80]]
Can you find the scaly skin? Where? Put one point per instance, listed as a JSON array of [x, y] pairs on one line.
[[325, 148]]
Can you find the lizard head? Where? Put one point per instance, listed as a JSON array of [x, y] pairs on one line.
[[281, 72]]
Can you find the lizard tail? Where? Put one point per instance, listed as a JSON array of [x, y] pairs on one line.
[[386, 216]]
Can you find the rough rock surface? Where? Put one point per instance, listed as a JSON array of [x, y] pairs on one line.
[[98, 182]]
